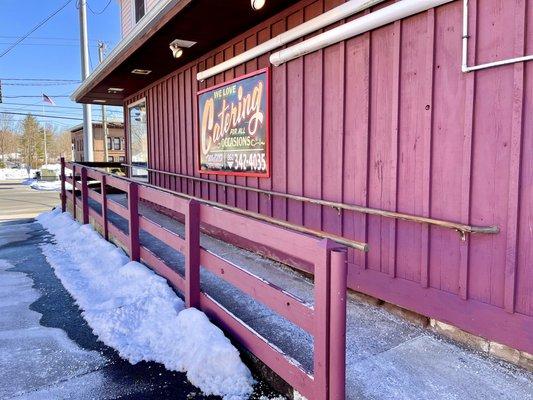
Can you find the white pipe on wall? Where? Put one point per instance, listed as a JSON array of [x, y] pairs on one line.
[[376, 19], [464, 64], [330, 17]]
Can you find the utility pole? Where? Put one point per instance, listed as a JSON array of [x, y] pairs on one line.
[[101, 50], [87, 114]]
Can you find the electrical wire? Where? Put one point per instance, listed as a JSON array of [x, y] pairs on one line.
[[98, 12], [47, 38], [40, 115], [32, 96], [40, 79], [42, 84], [44, 21]]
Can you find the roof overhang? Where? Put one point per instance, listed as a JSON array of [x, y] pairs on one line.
[[206, 22]]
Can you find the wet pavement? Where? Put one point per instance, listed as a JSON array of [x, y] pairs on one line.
[[47, 350]]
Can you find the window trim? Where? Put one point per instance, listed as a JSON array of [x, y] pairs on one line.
[[134, 19], [127, 134], [115, 141]]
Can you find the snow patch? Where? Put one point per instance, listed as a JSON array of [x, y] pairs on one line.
[[133, 310], [48, 186], [9, 174]]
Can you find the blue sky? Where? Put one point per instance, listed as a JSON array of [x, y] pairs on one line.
[[51, 52]]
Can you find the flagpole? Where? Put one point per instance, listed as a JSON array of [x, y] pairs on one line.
[[44, 133]]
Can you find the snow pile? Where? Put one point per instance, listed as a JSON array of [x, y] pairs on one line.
[[8, 174], [50, 186], [133, 310]]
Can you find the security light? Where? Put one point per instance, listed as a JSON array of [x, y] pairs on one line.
[[177, 46], [257, 4], [177, 51]]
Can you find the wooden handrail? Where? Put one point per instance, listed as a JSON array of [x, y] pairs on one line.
[[298, 228], [463, 229]]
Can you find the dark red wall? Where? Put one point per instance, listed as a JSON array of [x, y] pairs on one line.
[[387, 119]]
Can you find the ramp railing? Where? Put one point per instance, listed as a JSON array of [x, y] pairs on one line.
[[324, 320]]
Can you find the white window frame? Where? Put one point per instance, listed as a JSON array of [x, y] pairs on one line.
[[128, 134], [133, 16]]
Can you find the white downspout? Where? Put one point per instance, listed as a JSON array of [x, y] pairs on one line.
[[330, 17], [464, 65], [376, 19]]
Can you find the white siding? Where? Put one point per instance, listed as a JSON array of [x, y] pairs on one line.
[[126, 13]]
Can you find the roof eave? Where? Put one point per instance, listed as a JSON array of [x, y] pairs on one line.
[[140, 33]]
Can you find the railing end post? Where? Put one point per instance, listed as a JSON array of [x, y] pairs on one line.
[[84, 195], [192, 257], [133, 223], [337, 326], [63, 189]]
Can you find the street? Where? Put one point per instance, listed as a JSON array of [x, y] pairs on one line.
[[20, 201]]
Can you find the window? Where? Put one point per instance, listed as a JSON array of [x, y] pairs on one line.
[[138, 140], [123, 143], [138, 9], [116, 143], [121, 158], [108, 143], [110, 159]]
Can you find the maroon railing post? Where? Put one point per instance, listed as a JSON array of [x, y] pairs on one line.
[[192, 257], [74, 191], [133, 223], [84, 195], [103, 191], [322, 319], [63, 193], [337, 331]]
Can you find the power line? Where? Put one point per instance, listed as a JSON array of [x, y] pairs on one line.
[[47, 38], [40, 79], [98, 12], [40, 115], [44, 21], [48, 44], [48, 106], [42, 84], [31, 96]]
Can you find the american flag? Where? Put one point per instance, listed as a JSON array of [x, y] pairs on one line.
[[47, 99]]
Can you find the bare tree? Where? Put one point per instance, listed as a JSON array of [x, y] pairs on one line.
[[61, 146], [8, 137]]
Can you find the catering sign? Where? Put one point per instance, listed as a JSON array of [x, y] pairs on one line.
[[233, 126]]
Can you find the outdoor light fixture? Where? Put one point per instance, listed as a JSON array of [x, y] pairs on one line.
[[177, 46], [115, 90], [138, 71], [98, 101], [177, 51], [257, 4]]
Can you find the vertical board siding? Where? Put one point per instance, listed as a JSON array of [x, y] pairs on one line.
[[388, 120], [524, 271]]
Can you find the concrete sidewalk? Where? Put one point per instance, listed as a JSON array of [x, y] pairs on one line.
[[387, 357]]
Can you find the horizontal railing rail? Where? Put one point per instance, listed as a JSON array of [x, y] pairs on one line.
[[298, 228], [463, 229], [324, 320]]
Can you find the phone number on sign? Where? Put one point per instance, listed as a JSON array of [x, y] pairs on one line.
[[243, 162]]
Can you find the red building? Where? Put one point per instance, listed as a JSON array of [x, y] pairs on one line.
[[388, 125]]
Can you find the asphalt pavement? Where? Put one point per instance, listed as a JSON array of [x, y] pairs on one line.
[[20, 201]]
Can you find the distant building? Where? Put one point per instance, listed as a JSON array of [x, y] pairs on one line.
[[115, 142]]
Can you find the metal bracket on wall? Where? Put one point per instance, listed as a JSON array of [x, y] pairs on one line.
[[464, 66]]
